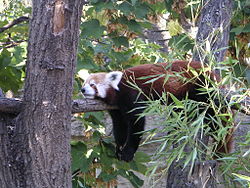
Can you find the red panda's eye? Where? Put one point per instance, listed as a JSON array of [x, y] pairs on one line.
[[91, 85]]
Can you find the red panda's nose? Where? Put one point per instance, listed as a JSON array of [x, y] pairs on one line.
[[83, 90]]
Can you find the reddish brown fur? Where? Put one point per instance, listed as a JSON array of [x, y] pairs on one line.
[[98, 78], [175, 84]]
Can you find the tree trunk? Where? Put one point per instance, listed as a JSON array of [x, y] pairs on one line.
[[40, 143], [213, 34], [5, 158], [203, 175], [213, 30]]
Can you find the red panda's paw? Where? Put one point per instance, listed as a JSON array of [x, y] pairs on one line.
[[126, 154]]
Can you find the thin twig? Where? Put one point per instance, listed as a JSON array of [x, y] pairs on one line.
[[10, 44]]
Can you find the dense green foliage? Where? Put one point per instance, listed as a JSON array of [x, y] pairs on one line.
[[112, 38], [13, 47]]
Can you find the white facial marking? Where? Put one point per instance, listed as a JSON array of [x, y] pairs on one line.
[[102, 90], [114, 78], [89, 92]]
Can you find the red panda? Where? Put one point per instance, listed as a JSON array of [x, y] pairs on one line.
[[115, 88]]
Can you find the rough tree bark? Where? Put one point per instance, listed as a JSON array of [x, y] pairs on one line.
[[15, 106], [6, 173], [39, 151], [212, 36], [213, 30]]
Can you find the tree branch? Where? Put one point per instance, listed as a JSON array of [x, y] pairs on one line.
[[90, 105], [11, 105], [14, 22], [14, 106], [11, 44]]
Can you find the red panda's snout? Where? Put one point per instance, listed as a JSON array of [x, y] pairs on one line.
[[98, 84], [89, 91]]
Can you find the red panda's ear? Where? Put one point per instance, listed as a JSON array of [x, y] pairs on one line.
[[114, 78]]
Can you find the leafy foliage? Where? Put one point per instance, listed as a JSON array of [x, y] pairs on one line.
[[184, 124], [239, 38], [13, 47], [94, 161]]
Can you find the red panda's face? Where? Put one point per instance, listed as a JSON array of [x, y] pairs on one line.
[[97, 84]]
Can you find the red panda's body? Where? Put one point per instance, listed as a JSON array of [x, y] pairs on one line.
[[151, 79], [128, 89]]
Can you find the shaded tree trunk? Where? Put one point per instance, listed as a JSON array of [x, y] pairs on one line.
[[39, 149], [6, 172], [212, 38], [203, 175]]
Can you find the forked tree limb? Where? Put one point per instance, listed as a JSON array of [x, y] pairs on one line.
[[14, 106]]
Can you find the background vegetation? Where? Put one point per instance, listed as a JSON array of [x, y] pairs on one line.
[[113, 37]]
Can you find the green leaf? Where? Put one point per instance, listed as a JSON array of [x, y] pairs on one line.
[[138, 167], [106, 160], [3, 23], [188, 159], [247, 178], [96, 136], [168, 4], [237, 30], [174, 27], [141, 157], [121, 41], [134, 26], [120, 57], [102, 5], [134, 180], [107, 176], [225, 80], [79, 182], [122, 165], [146, 25], [126, 8], [141, 11], [94, 117], [133, 2], [79, 159], [10, 79], [246, 28], [154, 79], [5, 58], [92, 28], [181, 41], [177, 102]]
